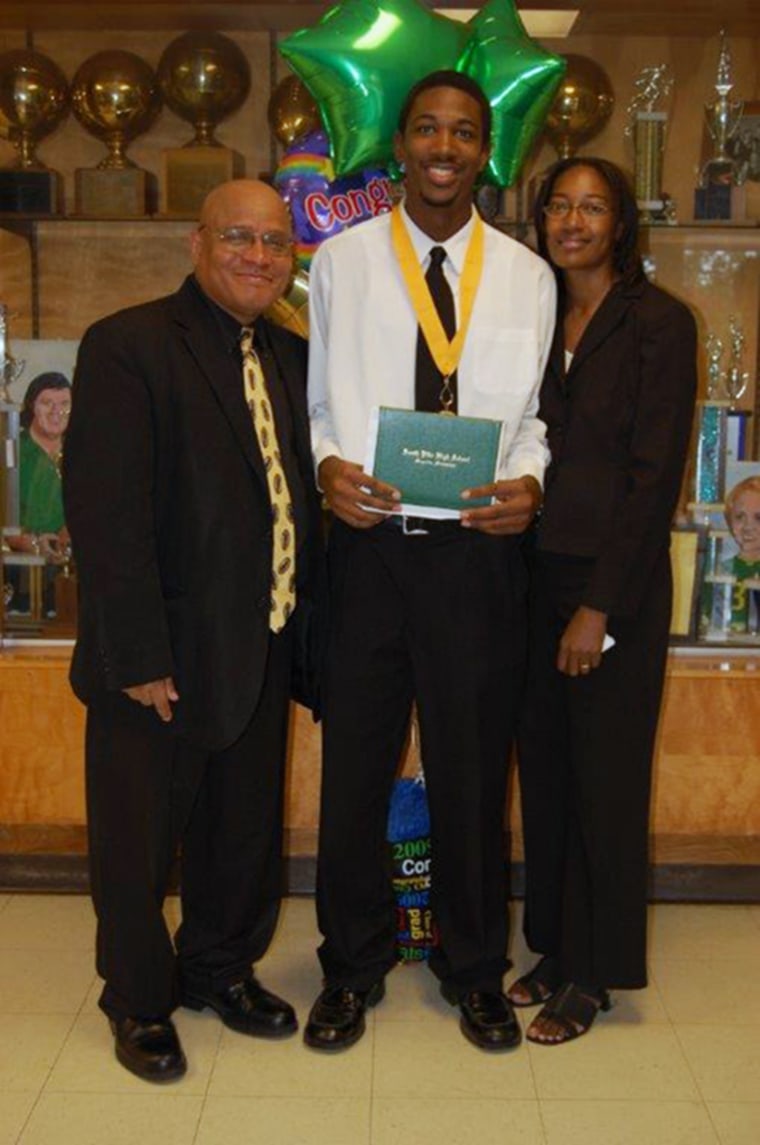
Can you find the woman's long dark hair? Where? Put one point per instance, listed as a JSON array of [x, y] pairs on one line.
[[625, 255]]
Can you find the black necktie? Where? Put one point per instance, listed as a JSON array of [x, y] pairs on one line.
[[428, 380]]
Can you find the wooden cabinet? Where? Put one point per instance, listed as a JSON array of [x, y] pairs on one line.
[[706, 799]]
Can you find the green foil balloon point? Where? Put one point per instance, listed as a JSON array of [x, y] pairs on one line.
[[520, 80], [362, 58]]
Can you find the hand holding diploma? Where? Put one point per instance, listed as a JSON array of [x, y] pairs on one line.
[[515, 504], [353, 494]]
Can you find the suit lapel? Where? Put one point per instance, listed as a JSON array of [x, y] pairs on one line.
[[201, 335], [606, 319], [554, 374], [291, 366]]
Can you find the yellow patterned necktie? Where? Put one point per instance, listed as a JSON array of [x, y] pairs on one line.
[[283, 525]]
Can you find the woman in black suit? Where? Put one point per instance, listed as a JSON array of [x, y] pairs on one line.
[[618, 399]]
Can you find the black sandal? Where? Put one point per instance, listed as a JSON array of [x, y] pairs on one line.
[[539, 984], [574, 1009]]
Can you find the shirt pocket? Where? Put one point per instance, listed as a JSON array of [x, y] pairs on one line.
[[504, 358]]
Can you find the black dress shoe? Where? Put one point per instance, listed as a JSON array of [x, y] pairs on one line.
[[149, 1048], [337, 1018], [248, 1008], [488, 1020]]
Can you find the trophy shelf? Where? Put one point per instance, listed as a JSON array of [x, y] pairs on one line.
[[715, 269], [63, 272]]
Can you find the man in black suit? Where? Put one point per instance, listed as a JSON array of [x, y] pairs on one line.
[[182, 659]]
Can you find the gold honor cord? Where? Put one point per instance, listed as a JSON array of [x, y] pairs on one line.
[[445, 353]]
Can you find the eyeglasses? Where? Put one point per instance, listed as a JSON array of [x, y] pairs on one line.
[[243, 238], [588, 208]]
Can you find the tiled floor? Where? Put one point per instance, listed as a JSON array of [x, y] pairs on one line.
[[677, 1064]]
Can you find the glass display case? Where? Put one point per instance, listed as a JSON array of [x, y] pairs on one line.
[[61, 273]]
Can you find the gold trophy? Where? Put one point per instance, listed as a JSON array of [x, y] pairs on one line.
[[33, 101], [581, 107], [647, 126], [115, 96], [204, 77], [292, 310], [291, 111]]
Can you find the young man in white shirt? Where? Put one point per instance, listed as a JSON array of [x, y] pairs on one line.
[[428, 612]]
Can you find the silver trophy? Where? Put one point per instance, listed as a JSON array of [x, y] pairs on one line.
[[647, 122], [722, 118], [714, 347], [10, 368], [9, 429], [736, 378]]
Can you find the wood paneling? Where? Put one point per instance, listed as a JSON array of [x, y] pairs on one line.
[[706, 800], [42, 778], [707, 780]]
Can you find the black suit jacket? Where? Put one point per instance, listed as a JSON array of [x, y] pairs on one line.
[[168, 508], [618, 426]]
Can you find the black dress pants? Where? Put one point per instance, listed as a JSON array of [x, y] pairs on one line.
[[585, 748], [437, 619], [149, 793]]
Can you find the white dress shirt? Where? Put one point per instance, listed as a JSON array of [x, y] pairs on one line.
[[363, 337]]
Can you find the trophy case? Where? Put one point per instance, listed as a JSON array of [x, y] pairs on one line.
[[115, 231], [61, 271]]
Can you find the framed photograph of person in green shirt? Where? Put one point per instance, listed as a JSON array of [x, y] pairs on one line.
[[36, 550]]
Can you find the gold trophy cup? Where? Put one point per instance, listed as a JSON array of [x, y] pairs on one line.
[[581, 107], [33, 101], [291, 111], [115, 96], [204, 77]]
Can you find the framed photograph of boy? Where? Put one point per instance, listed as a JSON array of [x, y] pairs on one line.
[[730, 598]]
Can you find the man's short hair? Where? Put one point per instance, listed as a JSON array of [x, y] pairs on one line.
[[449, 79]]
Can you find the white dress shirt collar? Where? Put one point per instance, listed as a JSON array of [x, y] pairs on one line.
[[455, 246]]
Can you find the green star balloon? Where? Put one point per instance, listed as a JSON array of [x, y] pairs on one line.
[[359, 62], [520, 80], [363, 56]]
